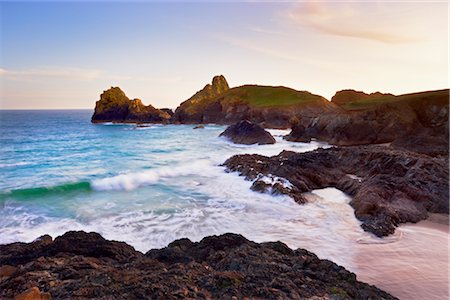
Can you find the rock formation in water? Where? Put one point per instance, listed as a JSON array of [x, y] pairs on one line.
[[388, 187], [298, 134], [245, 132], [114, 106], [269, 106], [79, 265], [417, 122]]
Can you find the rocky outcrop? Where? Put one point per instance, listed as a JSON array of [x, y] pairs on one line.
[[346, 97], [383, 118], [114, 106], [298, 134], [218, 267], [245, 132], [388, 186], [271, 106], [193, 109]]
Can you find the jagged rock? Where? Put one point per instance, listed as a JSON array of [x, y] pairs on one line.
[[394, 187], [114, 106], [245, 132], [218, 267], [192, 110]]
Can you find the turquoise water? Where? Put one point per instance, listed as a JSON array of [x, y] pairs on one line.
[[144, 185], [148, 186]]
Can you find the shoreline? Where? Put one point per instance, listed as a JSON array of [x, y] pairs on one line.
[[415, 259], [398, 277]]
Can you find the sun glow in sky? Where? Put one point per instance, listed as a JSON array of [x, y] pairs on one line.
[[63, 55]]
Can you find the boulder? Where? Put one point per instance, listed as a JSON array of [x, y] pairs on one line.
[[298, 134], [115, 106], [245, 132]]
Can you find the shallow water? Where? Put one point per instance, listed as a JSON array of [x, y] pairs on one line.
[[150, 185]]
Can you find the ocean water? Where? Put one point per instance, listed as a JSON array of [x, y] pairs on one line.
[[148, 186]]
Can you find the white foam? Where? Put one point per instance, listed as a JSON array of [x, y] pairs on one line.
[[272, 179], [22, 163], [131, 181]]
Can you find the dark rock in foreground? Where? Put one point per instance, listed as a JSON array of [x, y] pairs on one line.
[[245, 132], [79, 265], [114, 106], [388, 186]]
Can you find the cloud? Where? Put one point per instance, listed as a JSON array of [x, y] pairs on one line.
[[50, 72], [69, 73], [383, 22]]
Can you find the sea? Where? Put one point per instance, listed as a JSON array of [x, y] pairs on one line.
[[150, 184]]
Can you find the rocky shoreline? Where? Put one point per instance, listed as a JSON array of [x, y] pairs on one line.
[[80, 265], [417, 122], [388, 186]]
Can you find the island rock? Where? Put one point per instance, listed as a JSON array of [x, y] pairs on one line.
[[115, 106]]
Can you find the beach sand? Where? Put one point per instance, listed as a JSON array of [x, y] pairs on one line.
[[417, 261]]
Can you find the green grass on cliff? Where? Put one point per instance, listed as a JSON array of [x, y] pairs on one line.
[[397, 100], [269, 96]]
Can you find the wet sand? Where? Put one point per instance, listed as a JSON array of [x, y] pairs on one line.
[[414, 265]]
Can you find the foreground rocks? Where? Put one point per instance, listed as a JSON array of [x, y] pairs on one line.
[[114, 106], [80, 265], [388, 186], [245, 132]]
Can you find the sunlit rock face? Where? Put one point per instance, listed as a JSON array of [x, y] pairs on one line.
[[115, 106]]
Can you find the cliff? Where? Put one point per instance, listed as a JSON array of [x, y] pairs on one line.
[[115, 106], [384, 118], [271, 106]]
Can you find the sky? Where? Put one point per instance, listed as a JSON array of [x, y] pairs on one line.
[[62, 55]]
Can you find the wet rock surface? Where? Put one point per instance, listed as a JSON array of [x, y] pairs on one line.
[[245, 132], [80, 265], [388, 186]]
